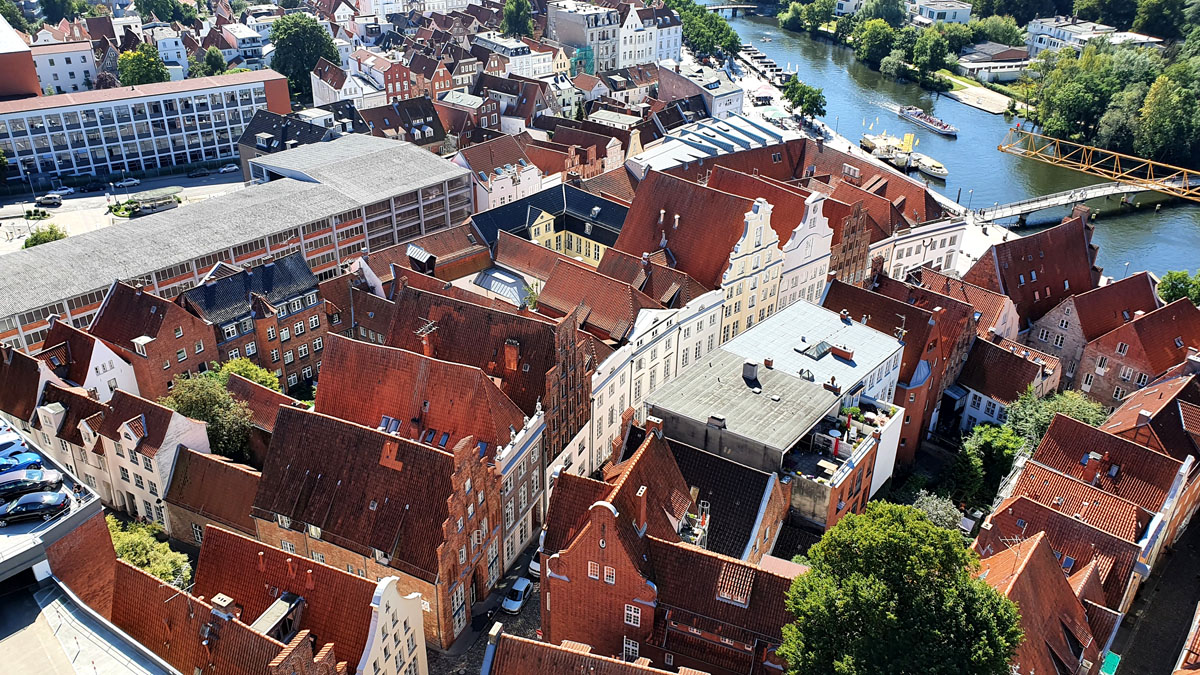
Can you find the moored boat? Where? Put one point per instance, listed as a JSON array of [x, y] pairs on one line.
[[929, 166], [915, 114]]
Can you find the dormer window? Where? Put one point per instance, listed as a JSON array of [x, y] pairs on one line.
[[230, 331]]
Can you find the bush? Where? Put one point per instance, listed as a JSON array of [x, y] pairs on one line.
[[138, 545], [43, 234]]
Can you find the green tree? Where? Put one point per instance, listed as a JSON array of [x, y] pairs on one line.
[[141, 66], [1120, 121], [891, 11], [1002, 29], [1161, 18], [905, 39], [966, 476], [873, 41], [12, 14], [940, 510], [196, 67], [214, 61], [43, 234], [136, 544], [1119, 13], [289, 4], [205, 398], [847, 25], [518, 18], [57, 10], [1166, 119], [894, 65], [817, 13], [997, 448], [246, 368], [1192, 13], [957, 36], [299, 41], [793, 17], [807, 100], [1178, 284], [929, 54], [1030, 416], [889, 587]]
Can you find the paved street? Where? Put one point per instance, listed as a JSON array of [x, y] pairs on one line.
[[83, 212], [525, 624], [1157, 625]]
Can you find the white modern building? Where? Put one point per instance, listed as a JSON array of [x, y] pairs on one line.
[[171, 50], [929, 12], [64, 67], [1067, 31], [249, 44], [668, 33], [580, 24], [721, 94]]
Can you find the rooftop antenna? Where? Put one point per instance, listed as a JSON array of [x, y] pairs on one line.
[[426, 328]]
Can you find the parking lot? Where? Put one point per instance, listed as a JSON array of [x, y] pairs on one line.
[[87, 211]]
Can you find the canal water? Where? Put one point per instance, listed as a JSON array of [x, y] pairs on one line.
[[980, 175]]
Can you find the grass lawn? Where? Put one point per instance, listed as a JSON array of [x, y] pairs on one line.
[[957, 83]]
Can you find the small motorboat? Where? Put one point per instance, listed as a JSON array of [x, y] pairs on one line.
[[929, 166], [915, 114]]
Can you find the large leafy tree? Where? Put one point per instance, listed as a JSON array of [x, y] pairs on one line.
[[890, 592], [1002, 29], [141, 66], [12, 14], [1030, 416], [818, 13], [997, 448], [1166, 118], [793, 17], [57, 10], [299, 41], [1119, 13], [873, 41], [214, 61], [246, 368], [518, 18], [106, 80], [704, 31], [1161, 18], [43, 234], [891, 11], [966, 480], [1120, 121], [957, 36], [1178, 284], [894, 64], [137, 545], [940, 510], [809, 101], [929, 54], [205, 398]]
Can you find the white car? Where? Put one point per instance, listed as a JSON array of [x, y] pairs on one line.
[[61, 191], [535, 565], [229, 168], [128, 182]]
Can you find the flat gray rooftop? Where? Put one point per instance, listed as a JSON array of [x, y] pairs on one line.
[[715, 386]]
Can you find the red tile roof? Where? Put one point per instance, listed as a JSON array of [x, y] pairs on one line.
[[1068, 269], [617, 184], [572, 497], [989, 304], [1162, 417], [214, 487], [490, 155], [710, 223], [1102, 309], [459, 250], [610, 307], [788, 200], [77, 346], [147, 419], [85, 561], [1189, 658], [330, 73], [129, 313], [1142, 475], [669, 286], [1030, 575], [263, 402], [1020, 517], [337, 604], [79, 407], [20, 379], [886, 315], [434, 402], [1164, 335], [332, 479], [520, 656], [1090, 504], [527, 257], [998, 373]]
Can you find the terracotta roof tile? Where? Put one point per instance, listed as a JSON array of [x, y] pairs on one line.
[[519, 656], [214, 487], [129, 313], [148, 421], [1076, 498], [886, 315], [569, 503], [611, 306], [1163, 417], [1113, 464], [1102, 309], [20, 377], [788, 201], [332, 478], [337, 605], [710, 223], [78, 346], [490, 155], [1030, 575], [618, 183], [263, 402], [998, 373], [669, 286], [330, 73], [1164, 335], [989, 304], [527, 257], [450, 400], [1018, 518]]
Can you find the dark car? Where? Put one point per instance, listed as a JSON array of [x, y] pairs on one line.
[[44, 505], [21, 461], [16, 483], [94, 186], [197, 173]]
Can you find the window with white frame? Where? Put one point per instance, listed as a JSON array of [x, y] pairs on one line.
[[287, 546], [230, 331], [1122, 348], [1118, 393], [1044, 335], [270, 332], [1126, 373], [298, 328], [631, 650], [198, 533], [293, 379], [314, 321], [234, 353], [318, 344], [302, 351], [288, 357], [610, 575], [593, 569], [633, 616]]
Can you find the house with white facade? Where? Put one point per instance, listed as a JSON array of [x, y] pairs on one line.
[[81, 360], [522, 60], [64, 67], [930, 12], [806, 255], [500, 171], [1056, 32], [580, 24], [330, 84]]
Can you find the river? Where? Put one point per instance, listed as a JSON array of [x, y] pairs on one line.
[[854, 93]]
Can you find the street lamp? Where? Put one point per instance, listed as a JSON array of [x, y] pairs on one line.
[[970, 196], [1126, 269]]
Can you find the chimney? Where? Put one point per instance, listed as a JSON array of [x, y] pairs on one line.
[[1144, 417], [640, 498], [662, 243], [262, 562], [769, 362], [676, 225], [139, 289], [223, 606], [512, 355], [426, 347], [291, 565], [662, 215], [845, 313], [653, 425], [750, 371], [645, 259], [308, 580], [1139, 314], [53, 319], [1091, 468]]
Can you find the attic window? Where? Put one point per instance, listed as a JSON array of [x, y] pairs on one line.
[[1179, 342], [373, 505], [1067, 563], [442, 441], [1020, 523]]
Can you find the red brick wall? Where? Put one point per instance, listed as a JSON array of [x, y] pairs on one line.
[[853, 500], [84, 560], [589, 610], [918, 412], [152, 378]]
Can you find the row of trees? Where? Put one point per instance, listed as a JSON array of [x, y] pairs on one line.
[[809, 16], [703, 30], [1132, 100], [166, 10]]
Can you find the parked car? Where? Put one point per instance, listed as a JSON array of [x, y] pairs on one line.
[[17, 483], [50, 199], [22, 461], [198, 173], [63, 191], [535, 565], [229, 168], [94, 186], [517, 596], [44, 505], [128, 182], [9, 448]]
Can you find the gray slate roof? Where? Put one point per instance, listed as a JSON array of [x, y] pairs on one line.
[[228, 298]]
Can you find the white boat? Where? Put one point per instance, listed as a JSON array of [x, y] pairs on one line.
[[929, 166]]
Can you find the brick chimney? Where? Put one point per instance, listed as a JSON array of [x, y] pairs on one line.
[[512, 355], [426, 347], [654, 426]]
